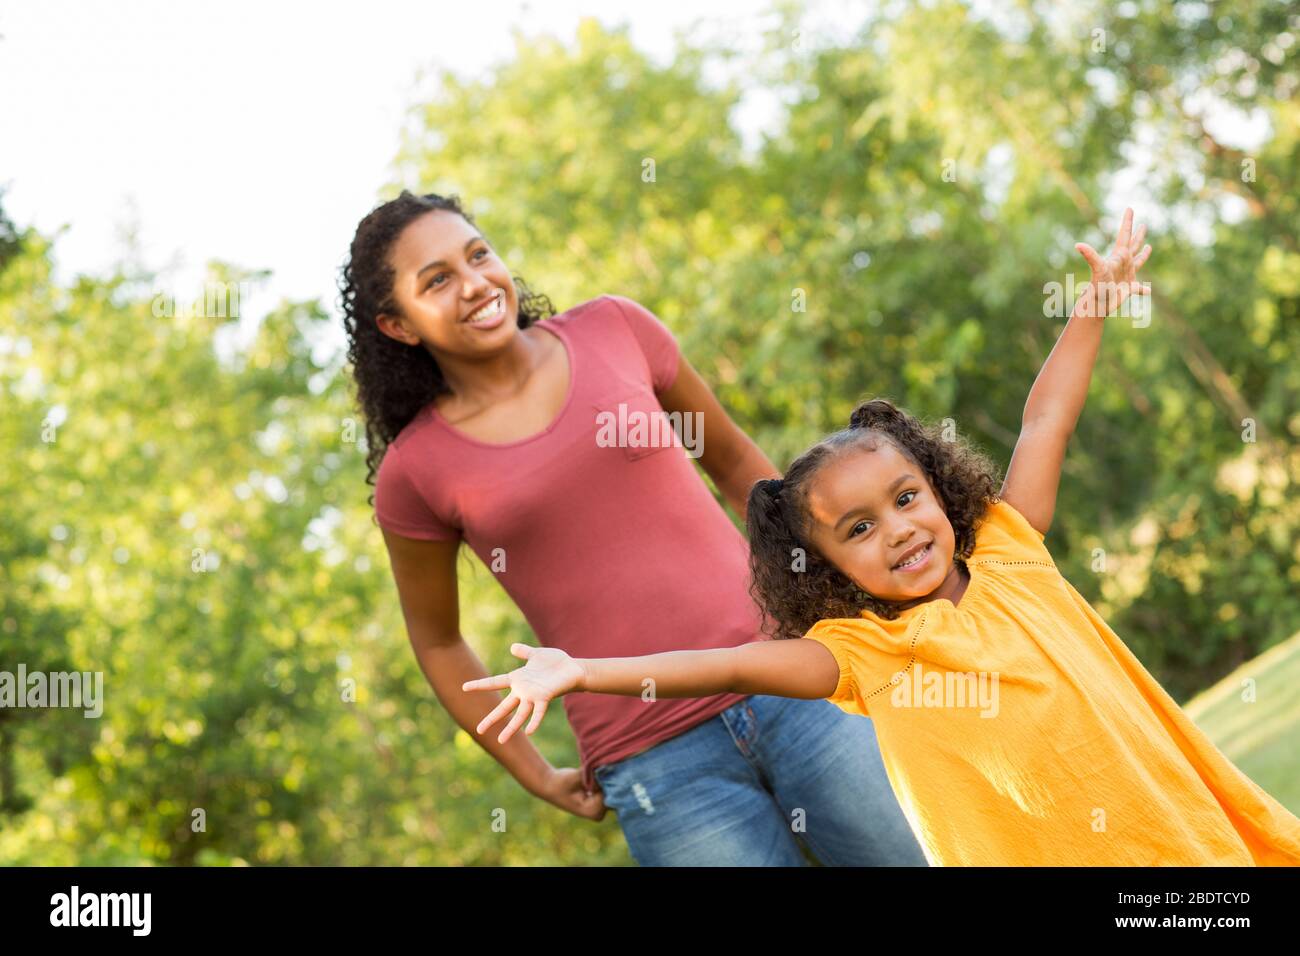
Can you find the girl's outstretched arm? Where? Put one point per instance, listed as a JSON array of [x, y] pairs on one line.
[[786, 668], [1057, 398]]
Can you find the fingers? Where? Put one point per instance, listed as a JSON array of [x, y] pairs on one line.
[[497, 713], [1141, 257], [1137, 238], [1090, 254], [521, 650], [497, 682], [520, 716], [1125, 289], [1125, 230], [536, 722]]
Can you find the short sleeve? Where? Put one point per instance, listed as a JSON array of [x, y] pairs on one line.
[[399, 507], [845, 696], [656, 340], [1004, 534]]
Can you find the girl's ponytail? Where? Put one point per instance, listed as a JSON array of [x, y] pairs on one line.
[[768, 517], [765, 515]]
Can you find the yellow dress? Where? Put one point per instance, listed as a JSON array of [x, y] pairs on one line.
[[1018, 730]]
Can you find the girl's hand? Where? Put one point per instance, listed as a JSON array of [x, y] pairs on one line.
[[1114, 278], [549, 673]]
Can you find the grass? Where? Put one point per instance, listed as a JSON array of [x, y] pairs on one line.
[[1262, 737]]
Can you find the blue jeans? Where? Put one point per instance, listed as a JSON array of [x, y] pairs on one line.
[[744, 787]]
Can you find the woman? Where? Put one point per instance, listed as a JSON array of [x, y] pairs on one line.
[[519, 434]]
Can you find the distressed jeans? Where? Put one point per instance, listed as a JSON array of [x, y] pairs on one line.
[[746, 786]]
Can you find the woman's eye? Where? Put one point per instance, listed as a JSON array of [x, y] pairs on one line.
[[906, 494], [434, 280]]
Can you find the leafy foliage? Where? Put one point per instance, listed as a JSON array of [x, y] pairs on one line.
[[194, 525]]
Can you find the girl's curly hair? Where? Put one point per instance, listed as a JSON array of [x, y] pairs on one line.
[[778, 518], [394, 380]]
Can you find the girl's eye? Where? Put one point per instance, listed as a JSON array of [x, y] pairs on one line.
[[853, 532], [905, 495]]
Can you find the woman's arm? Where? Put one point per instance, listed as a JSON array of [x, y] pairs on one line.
[[425, 574], [789, 668], [1054, 403], [730, 456]]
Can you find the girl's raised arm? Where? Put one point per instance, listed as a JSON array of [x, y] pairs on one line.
[[785, 668], [1054, 403]]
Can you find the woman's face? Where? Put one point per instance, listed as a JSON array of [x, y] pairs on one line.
[[873, 510], [445, 274]]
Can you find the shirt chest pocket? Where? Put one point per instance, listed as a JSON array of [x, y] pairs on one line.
[[629, 417]]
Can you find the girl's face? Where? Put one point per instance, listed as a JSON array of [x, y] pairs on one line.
[[876, 518], [445, 273]]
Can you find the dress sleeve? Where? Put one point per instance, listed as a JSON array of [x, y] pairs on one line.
[[834, 638], [400, 509], [657, 343], [1005, 535]]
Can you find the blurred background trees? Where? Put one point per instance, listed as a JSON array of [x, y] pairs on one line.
[[194, 524]]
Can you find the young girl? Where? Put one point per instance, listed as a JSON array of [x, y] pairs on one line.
[[1016, 727]]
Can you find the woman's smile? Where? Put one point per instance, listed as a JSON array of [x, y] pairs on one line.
[[490, 315]]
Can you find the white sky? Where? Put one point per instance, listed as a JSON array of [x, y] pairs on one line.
[[261, 132], [254, 132]]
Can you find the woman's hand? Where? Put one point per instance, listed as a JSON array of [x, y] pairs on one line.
[[1114, 278], [563, 787], [549, 673]]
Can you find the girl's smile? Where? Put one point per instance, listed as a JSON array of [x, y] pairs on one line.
[[915, 558]]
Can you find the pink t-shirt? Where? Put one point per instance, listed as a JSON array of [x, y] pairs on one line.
[[610, 550]]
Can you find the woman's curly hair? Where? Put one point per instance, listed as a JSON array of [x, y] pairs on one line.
[[778, 519], [395, 380]]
